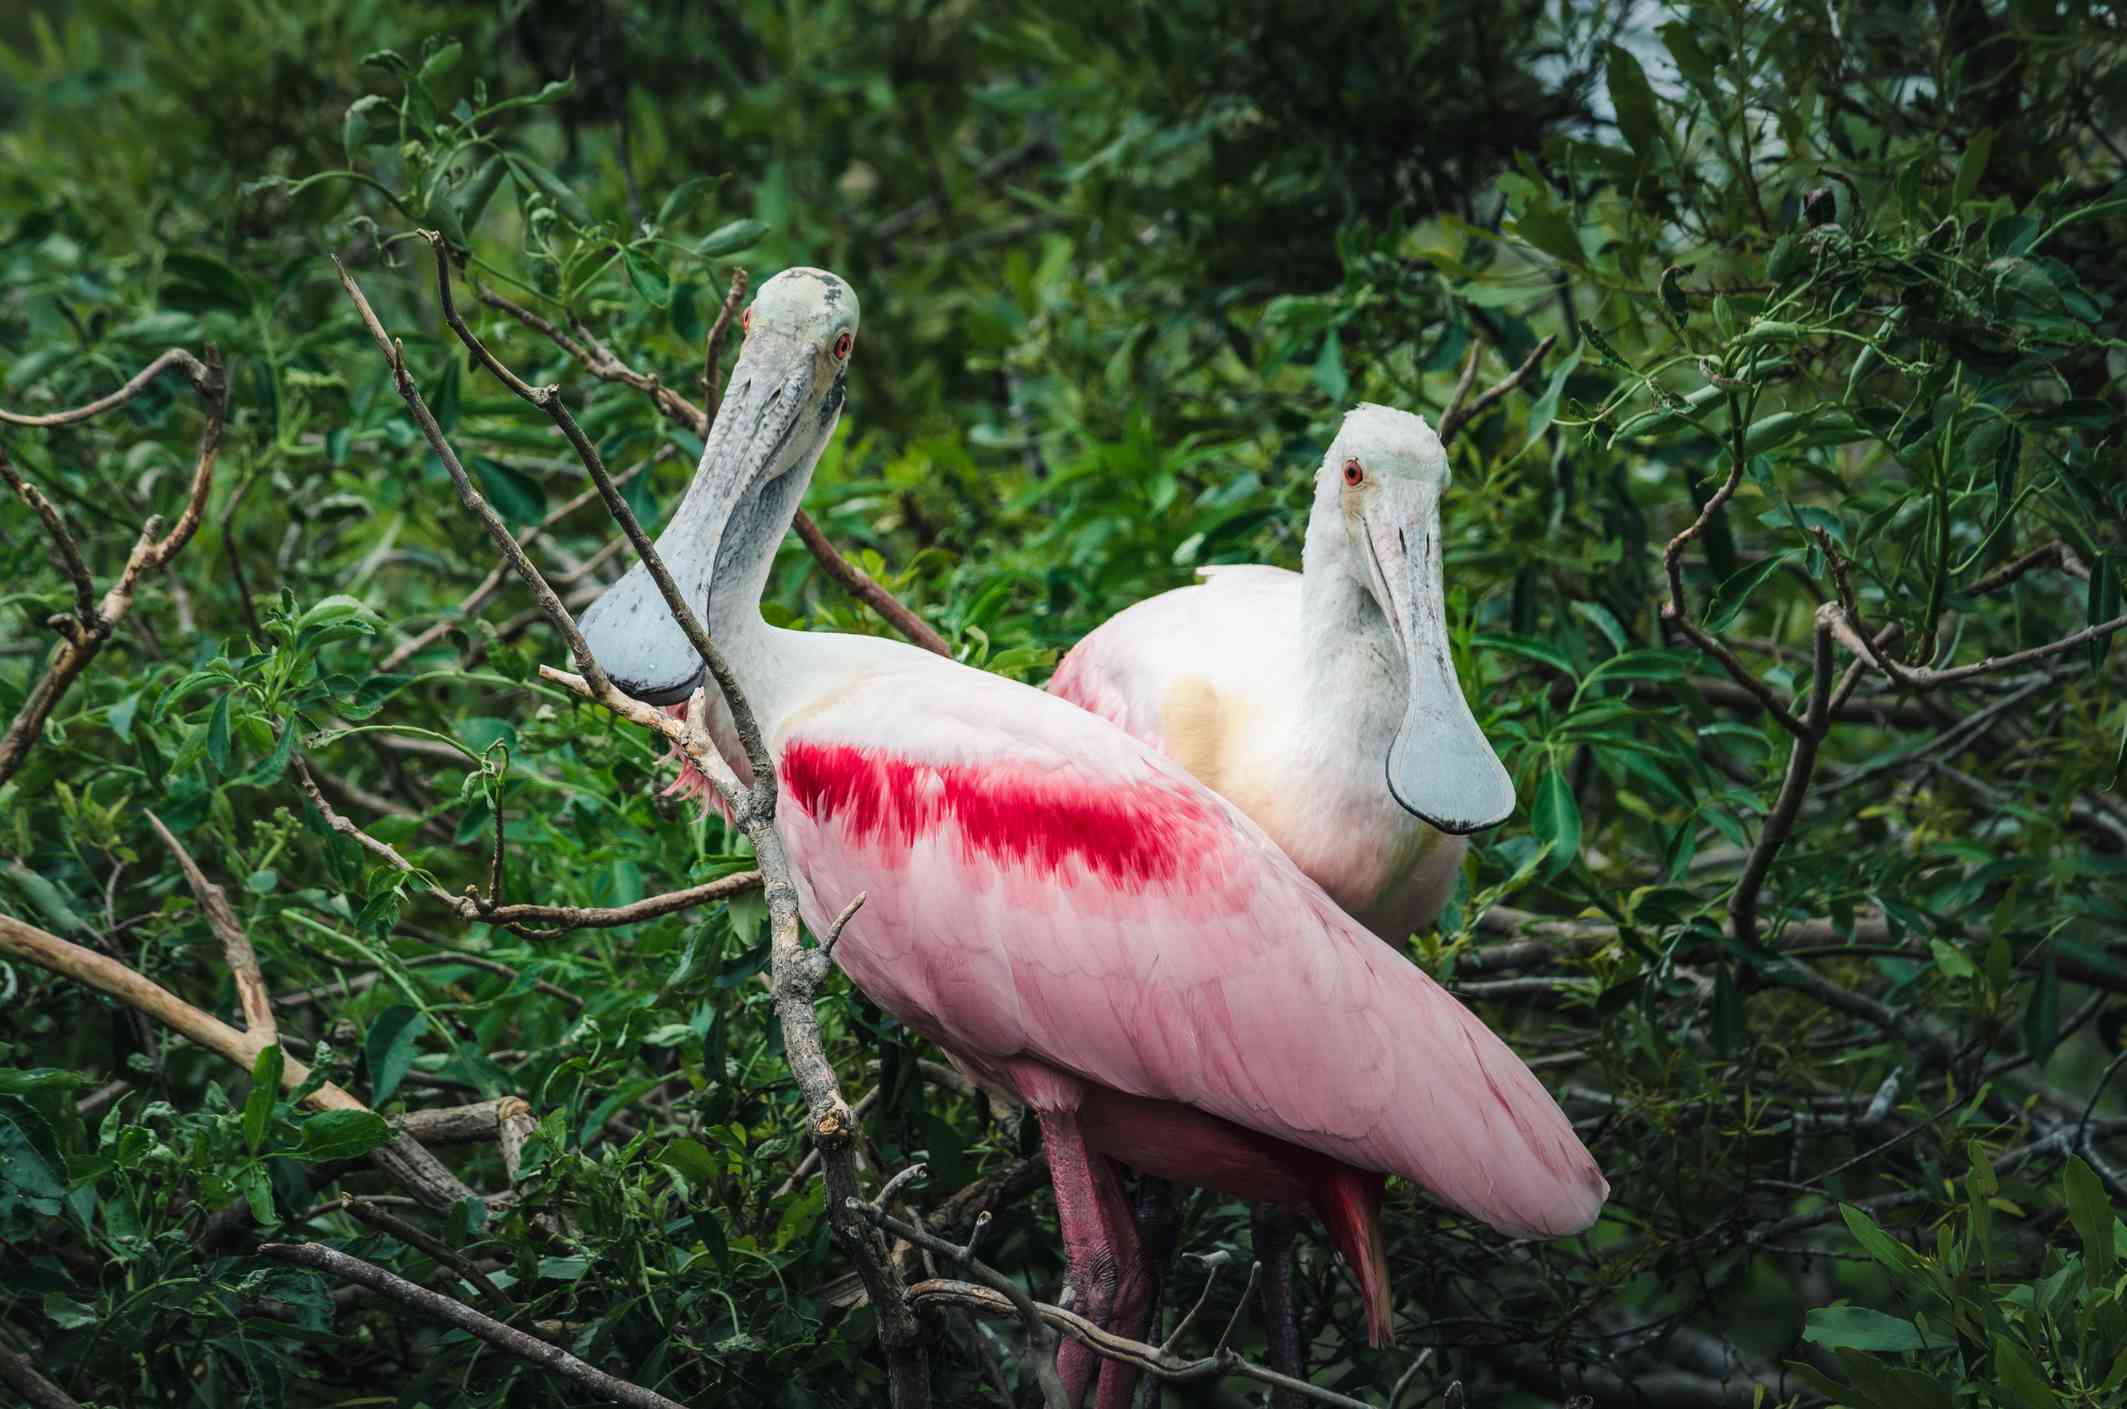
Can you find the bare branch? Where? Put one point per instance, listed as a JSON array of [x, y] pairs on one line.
[[713, 345], [1150, 1359], [150, 553], [456, 1313], [1851, 635], [69, 552], [2054, 554], [469, 495], [1801, 764], [1457, 416], [858, 584], [797, 972], [402, 1158], [251, 991], [373, 1212], [204, 376], [17, 1372]]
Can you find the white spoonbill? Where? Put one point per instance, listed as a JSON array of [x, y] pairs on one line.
[[1076, 921], [1322, 703]]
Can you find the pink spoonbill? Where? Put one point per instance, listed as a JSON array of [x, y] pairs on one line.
[[1322, 703], [1075, 920]]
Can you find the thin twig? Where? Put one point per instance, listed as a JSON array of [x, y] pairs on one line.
[[204, 376], [18, 1372], [402, 1158], [69, 552], [373, 1212], [150, 553], [251, 991], [1457, 416], [456, 1313], [1801, 764]]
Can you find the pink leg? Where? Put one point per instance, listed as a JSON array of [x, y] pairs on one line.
[[1105, 1272]]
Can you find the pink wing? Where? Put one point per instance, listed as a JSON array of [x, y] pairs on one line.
[[1040, 885]]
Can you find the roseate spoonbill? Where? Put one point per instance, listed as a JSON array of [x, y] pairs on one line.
[[1322, 703], [1077, 922]]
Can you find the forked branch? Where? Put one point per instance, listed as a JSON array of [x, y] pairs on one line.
[[797, 971]]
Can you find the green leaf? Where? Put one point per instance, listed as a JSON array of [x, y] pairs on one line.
[[49, 900], [676, 200], [1878, 1244], [269, 771], [16, 1081], [441, 62], [532, 174], [1734, 594], [1329, 369], [2020, 1376], [24, 1169], [1952, 960], [2103, 604], [2091, 1212], [515, 496], [472, 200], [2042, 1014], [1632, 96], [1554, 818], [335, 1135], [1971, 166], [389, 1049], [338, 607], [1859, 1328], [730, 239], [265, 1092], [363, 123], [648, 277], [67, 1313], [218, 735]]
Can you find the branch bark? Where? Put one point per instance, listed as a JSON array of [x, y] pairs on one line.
[[402, 1157], [453, 1312], [251, 992], [84, 635], [797, 972]]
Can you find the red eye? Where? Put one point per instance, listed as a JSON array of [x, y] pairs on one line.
[[1352, 473], [746, 321], [843, 345]]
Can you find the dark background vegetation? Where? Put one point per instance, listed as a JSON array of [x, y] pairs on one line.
[[1833, 987]]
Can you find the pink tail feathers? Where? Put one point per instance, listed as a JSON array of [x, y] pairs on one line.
[[1348, 1202], [692, 782]]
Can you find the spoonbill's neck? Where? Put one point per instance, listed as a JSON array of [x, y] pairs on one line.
[[1353, 656], [744, 559]]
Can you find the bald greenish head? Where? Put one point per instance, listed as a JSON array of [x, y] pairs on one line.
[[779, 410], [1385, 473]]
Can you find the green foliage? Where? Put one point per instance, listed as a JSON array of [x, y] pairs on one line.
[[2056, 1339], [1122, 273]]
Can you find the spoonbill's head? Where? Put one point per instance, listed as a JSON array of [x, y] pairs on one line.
[[779, 410], [1384, 476]]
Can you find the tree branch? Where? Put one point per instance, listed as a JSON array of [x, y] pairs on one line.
[[150, 553], [251, 991], [796, 971], [453, 1312], [402, 1158], [1456, 416]]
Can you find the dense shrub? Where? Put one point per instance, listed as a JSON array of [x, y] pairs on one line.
[[1818, 941]]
